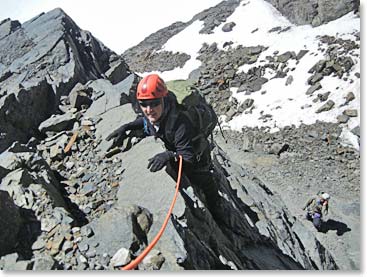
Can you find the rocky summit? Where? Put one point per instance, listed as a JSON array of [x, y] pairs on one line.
[[286, 88]]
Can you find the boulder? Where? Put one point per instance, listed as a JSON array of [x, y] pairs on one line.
[[228, 27], [118, 72], [79, 97], [58, 123], [326, 107], [22, 111]]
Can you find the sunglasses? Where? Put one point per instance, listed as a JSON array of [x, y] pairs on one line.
[[151, 103]]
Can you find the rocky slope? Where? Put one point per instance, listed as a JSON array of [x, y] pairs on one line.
[[40, 62], [78, 206]]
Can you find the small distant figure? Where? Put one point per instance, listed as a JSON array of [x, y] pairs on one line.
[[316, 207]]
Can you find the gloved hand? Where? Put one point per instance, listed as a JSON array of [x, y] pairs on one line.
[[160, 160], [118, 135]]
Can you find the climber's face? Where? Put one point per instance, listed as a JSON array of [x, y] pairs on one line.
[[152, 109]]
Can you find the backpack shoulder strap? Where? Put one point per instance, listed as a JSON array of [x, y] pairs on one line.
[[170, 125]]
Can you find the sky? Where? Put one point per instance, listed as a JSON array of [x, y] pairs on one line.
[[118, 24]]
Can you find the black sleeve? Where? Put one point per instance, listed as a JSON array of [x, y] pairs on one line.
[[137, 124], [182, 141]]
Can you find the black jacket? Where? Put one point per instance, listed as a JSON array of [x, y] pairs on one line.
[[175, 130]]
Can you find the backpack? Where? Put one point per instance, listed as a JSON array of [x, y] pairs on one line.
[[201, 115]]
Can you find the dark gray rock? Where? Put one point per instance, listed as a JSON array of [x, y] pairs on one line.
[[119, 71], [301, 54], [278, 148], [318, 67], [351, 112], [326, 107], [342, 118], [44, 262], [289, 80], [115, 229], [314, 79], [117, 95], [153, 261], [356, 131], [313, 88], [22, 111], [12, 262], [314, 12], [11, 222], [45, 54], [228, 27], [80, 97], [323, 97], [41, 60], [216, 15], [285, 57], [8, 26], [349, 97], [58, 123]]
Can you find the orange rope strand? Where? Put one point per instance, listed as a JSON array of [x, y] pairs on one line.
[[135, 262], [70, 144]]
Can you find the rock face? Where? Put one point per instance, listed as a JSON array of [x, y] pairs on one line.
[[8, 26], [11, 222], [314, 12], [22, 111], [41, 60]]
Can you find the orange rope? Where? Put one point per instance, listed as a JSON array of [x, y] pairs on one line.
[[135, 262], [72, 140]]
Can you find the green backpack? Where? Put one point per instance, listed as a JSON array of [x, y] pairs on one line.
[[201, 115]]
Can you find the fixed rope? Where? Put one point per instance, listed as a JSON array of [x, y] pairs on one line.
[[138, 259]]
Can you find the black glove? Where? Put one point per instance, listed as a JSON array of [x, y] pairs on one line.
[[118, 135], [160, 160]]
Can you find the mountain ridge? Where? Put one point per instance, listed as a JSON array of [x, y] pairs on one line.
[[69, 205]]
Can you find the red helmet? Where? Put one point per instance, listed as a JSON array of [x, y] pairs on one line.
[[151, 87]]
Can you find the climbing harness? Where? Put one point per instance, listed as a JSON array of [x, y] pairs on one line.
[[135, 262]]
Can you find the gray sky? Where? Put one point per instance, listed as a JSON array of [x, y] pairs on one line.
[[118, 24]]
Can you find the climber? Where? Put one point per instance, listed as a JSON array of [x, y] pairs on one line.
[[163, 119], [316, 206]]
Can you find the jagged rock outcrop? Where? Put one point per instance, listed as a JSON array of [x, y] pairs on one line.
[[40, 61], [59, 50], [7, 26], [22, 111], [314, 12]]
